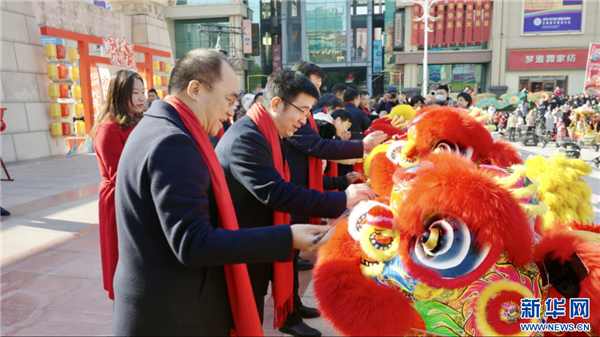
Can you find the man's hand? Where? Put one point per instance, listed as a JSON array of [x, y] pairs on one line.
[[386, 97], [346, 135], [373, 139], [356, 193], [383, 113], [304, 235], [352, 177]]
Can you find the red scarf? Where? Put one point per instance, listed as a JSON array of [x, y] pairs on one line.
[[315, 171], [243, 306], [283, 272], [365, 110]]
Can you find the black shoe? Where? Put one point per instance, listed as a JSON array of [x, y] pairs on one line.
[[6, 213], [304, 265], [300, 329], [307, 312]]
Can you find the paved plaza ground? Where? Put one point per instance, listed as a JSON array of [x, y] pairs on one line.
[[51, 275]]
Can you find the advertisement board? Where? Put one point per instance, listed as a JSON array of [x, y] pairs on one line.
[[592, 72], [378, 56], [247, 25], [552, 16], [398, 35]]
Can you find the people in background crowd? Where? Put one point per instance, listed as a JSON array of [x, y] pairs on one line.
[[417, 101], [441, 97], [464, 100], [152, 96], [530, 120], [338, 90], [389, 101]]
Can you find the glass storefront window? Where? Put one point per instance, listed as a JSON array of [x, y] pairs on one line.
[[294, 31], [359, 30], [545, 83], [326, 31], [187, 36], [457, 76]]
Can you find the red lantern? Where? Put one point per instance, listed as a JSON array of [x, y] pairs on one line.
[[66, 129], [64, 91], [61, 52], [163, 81], [162, 66], [62, 71], [65, 111]]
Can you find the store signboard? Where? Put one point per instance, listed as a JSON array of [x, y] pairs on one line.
[[592, 72], [276, 57], [554, 16], [532, 59], [378, 58], [398, 35], [247, 24]]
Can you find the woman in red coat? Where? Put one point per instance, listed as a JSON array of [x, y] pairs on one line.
[[122, 109]]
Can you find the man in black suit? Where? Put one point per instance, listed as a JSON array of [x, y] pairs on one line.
[[258, 189], [305, 143], [170, 278]]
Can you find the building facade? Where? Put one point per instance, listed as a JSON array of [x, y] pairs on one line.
[[376, 44]]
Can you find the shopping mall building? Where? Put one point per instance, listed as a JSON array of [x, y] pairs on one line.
[[55, 66]]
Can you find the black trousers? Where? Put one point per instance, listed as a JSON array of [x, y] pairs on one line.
[[295, 318], [260, 275]]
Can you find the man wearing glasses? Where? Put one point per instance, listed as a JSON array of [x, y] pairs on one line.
[[250, 156]]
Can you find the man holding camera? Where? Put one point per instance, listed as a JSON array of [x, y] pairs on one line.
[[390, 100], [441, 97]]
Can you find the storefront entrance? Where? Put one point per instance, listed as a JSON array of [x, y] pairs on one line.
[[546, 83]]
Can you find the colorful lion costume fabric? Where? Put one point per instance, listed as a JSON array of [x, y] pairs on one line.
[[451, 248]]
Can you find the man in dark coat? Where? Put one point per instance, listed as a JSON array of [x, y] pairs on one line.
[[258, 189], [389, 101], [305, 143], [170, 278], [361, 121]]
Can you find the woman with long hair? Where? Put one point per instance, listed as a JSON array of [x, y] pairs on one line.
[[121, 111]]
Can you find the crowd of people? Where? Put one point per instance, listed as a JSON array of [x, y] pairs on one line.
[[552, 116], [208, 195]]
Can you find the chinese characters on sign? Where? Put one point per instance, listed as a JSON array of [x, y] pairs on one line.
[[529, 59], [552, 16], [398, 30], [120, 51], [551, 58]]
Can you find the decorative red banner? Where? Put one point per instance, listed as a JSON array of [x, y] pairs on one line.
[[415, 25], [422, 30], [547, 59], [439, 24], [450, 22], [468, 22], [487, 13], [431, 24], [460, 20], [478, 20]]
